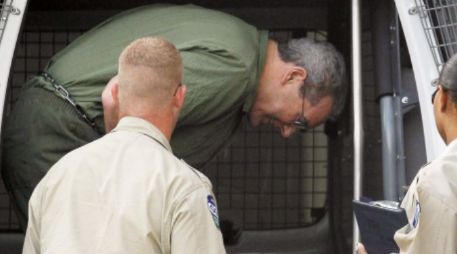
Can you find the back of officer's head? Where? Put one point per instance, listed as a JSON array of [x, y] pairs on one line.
[[150, 69], [448, 78]]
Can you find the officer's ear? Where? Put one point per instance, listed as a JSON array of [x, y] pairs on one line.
[[110, 102], [442, 99], [110, 94], [180, 96], [115, 94]]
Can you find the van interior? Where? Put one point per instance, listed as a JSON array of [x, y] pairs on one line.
[[279, 195]]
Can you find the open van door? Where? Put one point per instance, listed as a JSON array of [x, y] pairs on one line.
[[411, 41], [11, 17]]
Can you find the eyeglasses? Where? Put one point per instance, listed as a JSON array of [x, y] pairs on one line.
[[301, 123]]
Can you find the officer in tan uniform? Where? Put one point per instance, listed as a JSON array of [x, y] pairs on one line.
[[126, 192], [431, 200]]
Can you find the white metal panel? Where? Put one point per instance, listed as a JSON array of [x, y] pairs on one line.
[[425, 72], [11, 18], [357, 108]]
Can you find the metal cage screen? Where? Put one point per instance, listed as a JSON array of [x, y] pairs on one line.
[[261, 180], [439, 20]]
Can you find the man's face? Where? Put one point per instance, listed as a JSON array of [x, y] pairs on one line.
[[292, 108]]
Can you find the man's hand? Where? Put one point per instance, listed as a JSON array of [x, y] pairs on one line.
[[361, 249]]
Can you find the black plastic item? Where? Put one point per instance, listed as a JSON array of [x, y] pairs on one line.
[[378, 225], [230, 233]]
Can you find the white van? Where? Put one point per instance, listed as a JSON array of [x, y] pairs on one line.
[[276, 195]]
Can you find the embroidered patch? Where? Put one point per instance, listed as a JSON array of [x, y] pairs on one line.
[[213, 210], [417, 214]]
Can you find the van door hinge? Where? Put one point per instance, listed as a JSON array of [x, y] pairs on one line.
[[11, 9]]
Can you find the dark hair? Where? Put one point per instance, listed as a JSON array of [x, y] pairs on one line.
[[326, 74], [448, 77]]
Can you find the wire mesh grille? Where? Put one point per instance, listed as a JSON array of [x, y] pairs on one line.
[[439, 20], [32, 52], [265, 182], [262, 181]]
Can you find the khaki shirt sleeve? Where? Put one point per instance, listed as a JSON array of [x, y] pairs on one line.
[[436, 231], [32, 236], [195, 229]]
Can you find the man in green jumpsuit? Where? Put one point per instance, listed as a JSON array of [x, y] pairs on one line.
[[231, 69]]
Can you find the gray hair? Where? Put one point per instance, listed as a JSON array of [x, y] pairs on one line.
[[325, 70], [448, 77]]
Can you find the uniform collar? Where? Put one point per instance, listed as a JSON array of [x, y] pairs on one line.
[[453, 143], [135, 124], [451, 146]]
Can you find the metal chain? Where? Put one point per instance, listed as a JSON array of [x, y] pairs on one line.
[[64, 94]]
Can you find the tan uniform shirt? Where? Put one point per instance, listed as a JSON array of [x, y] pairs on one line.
[[431, 208], [123, 193]]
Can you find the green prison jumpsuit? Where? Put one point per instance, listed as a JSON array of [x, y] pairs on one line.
[[223, 58]]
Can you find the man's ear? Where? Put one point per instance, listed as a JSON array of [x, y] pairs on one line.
[[180, 96], [293, 75], [110, 102], [115, 93], [442, 99], [110, 95]]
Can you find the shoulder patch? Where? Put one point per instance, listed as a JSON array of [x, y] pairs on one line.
[[212, 207]]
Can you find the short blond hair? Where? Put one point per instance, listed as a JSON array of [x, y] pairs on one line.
[[150, 69]]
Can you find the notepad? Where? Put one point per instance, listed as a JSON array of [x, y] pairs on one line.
[[377, 225]]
